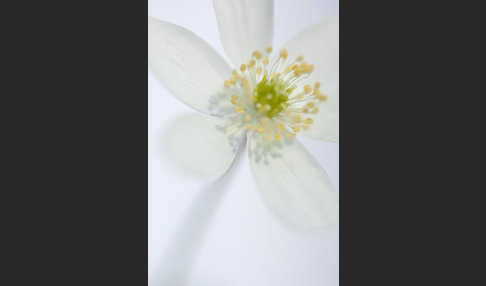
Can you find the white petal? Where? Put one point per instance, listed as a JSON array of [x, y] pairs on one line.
[[293, 185], [196, 145], [319, 45], [185, 64], [326, 121], [244, 26]]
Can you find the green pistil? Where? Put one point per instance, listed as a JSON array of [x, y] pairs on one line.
[[273, 94]]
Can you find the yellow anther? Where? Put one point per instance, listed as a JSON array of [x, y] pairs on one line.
[[226, 84], [235, 73], [239, 110], [297, 118], [268, 138], [317, 84], [300, 58], [296, 129], [260, 129], [305, 127], [284, 54], [322, 97], [251, 63], [316, 92], [295, 67], [309, 120], [277, 137], [234, 99], [282, 127], [266, 61], [249, 127], [269, 49], [306, 110], [310, 69], [310, 104], [247, 118], [315, 110], [259, 70], [307, 88], [232, 80], [257, 54], [243, 68]]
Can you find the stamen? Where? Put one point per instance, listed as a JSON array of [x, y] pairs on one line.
[[307, 88], [239, 110], [257, 54], [267, 95], [260, 129], [234, 99]]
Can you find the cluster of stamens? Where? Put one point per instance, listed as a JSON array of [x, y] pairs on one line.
[[266, 96]]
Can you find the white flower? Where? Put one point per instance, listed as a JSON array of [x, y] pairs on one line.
[[269, 97]]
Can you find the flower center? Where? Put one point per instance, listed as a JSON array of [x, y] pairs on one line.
[[269, 98]]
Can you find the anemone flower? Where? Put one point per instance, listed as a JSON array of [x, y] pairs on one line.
[[267, 99]]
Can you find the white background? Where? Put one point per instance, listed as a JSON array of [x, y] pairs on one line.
[[220, 233]]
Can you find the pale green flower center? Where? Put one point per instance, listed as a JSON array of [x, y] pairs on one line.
[[271, 96]]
